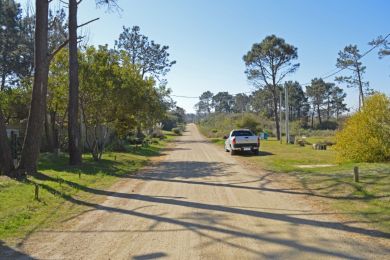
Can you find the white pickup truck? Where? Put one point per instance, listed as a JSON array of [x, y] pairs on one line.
[[242, 140]]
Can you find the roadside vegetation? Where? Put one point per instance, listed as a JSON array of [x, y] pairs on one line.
[[58, 183]]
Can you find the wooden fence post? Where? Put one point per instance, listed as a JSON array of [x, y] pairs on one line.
[[36, 191], [356, 174]]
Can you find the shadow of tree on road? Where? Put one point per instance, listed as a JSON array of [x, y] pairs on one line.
[[210, 222], [7, 252], [204, 229]]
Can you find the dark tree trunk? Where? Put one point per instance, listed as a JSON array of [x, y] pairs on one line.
[[2, 81], [312, 119], [6, 165], [73, 115], [361, 94], [319, 113], [32, 140]]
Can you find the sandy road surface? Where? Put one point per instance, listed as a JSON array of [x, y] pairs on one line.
[[200, 203]]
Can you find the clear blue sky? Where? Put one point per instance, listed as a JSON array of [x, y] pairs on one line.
[[208, 38]]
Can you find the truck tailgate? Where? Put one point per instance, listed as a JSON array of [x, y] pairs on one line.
[[246, 139]]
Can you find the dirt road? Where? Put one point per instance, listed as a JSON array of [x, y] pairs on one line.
[[200, 203]]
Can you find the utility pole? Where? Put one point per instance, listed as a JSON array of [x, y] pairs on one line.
[[287, 114], [280, 116]]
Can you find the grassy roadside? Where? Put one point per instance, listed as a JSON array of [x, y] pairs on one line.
[[320, 174], [21, 214]]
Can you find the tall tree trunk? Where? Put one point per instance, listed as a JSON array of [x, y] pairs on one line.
[[2, 81], [312, 119], [276, 115], [73, 115], [54, 130], [48, 134], [328, 110], [32, 140], [319, 113], [6, 165], [361, 94]]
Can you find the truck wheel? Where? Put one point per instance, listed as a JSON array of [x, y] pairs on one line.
[[232, 152], [256, 152], [226, 150]]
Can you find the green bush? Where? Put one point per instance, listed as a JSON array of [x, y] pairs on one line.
[[117, 145], [169, 122], [182, 127], [251, 122], [177, 131], [157, 133], [366, 135]]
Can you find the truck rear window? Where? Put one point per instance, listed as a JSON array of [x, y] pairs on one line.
[[242, 133]]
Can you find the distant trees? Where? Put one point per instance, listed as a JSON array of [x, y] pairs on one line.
[[268, 63], [317, 94], [337, 101], [349, 58], [327, 100], [322, 100], [261, 101], [205, 105], [223, 102], [241, 103], [298, 101]]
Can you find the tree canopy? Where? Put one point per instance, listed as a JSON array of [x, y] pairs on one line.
[[268, 63]]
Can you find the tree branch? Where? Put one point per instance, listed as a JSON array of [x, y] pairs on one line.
[[81, 25], [51, 56], [65, 3]]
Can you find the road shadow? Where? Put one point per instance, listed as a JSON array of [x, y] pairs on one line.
[[192, 141], [150, 256], [211, 221], [188, 170], [8, 253], [249, 154], [215, 208]]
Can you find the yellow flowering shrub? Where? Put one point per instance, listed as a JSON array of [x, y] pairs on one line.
[[366, 135]]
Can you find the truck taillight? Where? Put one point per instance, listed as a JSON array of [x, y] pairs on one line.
[[234, 140]]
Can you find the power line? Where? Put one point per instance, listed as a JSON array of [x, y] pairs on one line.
[[181, 96], [335, 71]]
